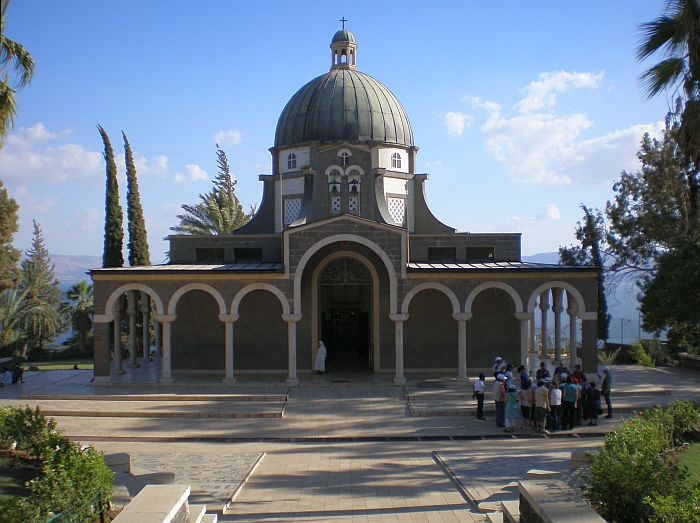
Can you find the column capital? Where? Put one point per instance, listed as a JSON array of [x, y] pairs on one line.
[[398, 317], [588, 316], [291, 318], [557, 309], [572, 311], [228, 318], [462, 316], [523, 316], [103, 318], [166, 318]]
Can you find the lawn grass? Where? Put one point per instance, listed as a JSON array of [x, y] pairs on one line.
[[83, 364], [691, 459]]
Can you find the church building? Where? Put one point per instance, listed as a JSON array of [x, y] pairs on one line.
[[343, 249]]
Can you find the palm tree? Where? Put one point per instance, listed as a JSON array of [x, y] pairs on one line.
[[13, 306], [676, 34], [219, 211], [12, 57], [80, 297]]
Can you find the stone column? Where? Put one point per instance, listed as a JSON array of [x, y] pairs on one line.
[[589, 348], [398, 320], [525, 319], [292, 320], [131, 312], [166, 377], [101, 343], [117, 347], [158, 342], [228, 320], [145, 316], [462, 318], [572, 311], [544, 307], [531, 346], [557, 308]]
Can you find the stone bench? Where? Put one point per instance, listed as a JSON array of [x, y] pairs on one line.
[[553, 501], [164, 504], [118, 462]]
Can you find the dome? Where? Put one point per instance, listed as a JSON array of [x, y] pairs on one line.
[[343, 36], [343, 105]]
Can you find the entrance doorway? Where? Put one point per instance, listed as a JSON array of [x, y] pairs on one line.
[[344, 289]]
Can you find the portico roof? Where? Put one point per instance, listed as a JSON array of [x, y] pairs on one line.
[[505, 266]]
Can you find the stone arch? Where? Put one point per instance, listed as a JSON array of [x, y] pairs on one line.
[[375, 320], [256, 287], [343, 238], [517, 300], [430, 285], [172, 304], [114, 296], [563, 285]]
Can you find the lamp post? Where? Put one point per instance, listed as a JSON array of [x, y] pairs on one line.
[[622, 330]]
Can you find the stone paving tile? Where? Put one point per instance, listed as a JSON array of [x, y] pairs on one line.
[[213, 478]]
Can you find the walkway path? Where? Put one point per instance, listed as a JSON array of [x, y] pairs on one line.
[[339, 450]]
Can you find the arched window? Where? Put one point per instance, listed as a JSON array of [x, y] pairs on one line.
[[334, 191], [354, 181], [396, 161], [291, 161]]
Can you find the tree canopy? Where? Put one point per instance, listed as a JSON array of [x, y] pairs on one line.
[[218, 211], [112, 255], [138, 236], [9, 256]]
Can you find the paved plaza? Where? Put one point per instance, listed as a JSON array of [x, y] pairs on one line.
[[334, 448]]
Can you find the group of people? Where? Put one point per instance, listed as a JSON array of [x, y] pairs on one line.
[[546, 402], [8, 377]]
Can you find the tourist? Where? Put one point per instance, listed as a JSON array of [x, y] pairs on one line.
[[18, 374], [593, 404], [478, 393], [554, 406], [569, 393], [508, 373], [579, 374], [541, 406], [499, 366], [499, 397], [522, 372], [526, 397], [606, 388], [321, 354], [512, 407], [542, 372]]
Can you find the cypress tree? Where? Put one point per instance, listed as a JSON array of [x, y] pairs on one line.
[[114, 234], [138, 237]]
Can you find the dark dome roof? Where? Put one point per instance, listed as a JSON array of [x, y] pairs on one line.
[[343, 36], [343, 105]]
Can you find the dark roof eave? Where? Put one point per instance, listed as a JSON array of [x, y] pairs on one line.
[[495, 267]]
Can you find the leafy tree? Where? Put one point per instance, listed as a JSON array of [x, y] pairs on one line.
[[80, 298], [676, 35], [43, 318], [15, 61], [9, 256], [138, 237], [591, 235], [13, 309], [114, 233], [219, 211]]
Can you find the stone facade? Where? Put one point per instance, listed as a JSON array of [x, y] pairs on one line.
[[343, 248]]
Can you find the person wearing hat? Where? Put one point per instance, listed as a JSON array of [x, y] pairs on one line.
[[499, 397], [512, 407], [605, 389]]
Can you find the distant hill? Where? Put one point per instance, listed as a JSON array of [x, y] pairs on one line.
[[543, 257], [69, 269]]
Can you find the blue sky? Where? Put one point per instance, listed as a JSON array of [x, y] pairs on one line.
[[522, 110]]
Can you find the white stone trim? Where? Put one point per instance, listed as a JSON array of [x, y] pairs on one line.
[[172, 304], [517, 301], [573, 291], [430, 285], [235, 304], [114, 296]]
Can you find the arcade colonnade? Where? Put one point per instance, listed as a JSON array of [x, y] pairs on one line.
[[548, 301]]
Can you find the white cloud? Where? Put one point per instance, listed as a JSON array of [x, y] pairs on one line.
[[158, 166], [31, 205], [192, 173], [541, 95], [29, 155], [538, 144], [550, 213], [437, 164], [456, 122], [228, 137]]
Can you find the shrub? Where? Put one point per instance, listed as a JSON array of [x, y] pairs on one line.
[[29, 428], [683, 506], [608, 357], [638, 354], [631, 466], [70, 475]]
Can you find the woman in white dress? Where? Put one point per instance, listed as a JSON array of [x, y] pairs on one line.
[[320, 362]]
